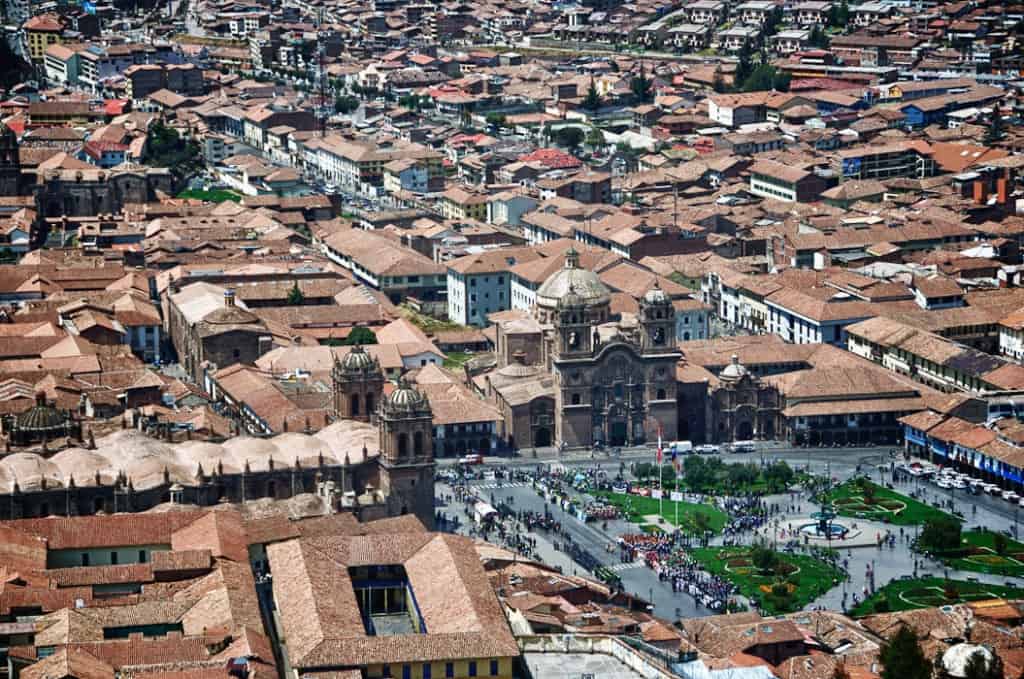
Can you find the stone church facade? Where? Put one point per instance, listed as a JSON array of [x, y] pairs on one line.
[[595, 380]]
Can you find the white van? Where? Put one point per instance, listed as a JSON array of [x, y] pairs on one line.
[[681, 447], [744, 447]]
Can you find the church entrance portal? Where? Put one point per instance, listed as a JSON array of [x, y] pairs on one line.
[[617, 435], [745, 431], [541, 437]]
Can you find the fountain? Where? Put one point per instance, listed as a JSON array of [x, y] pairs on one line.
[[824, 526]]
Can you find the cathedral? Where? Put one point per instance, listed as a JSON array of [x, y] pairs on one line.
[[570, 375]]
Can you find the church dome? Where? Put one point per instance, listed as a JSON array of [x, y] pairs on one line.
[[230, 313], [406, 399], [357, 360], [572, 279], [656, 295], [571, 299], [734, 370], [41, 417]]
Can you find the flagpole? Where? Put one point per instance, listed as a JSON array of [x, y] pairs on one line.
[[661, 485]]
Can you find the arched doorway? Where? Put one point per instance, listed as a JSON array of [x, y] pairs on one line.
[[541, 437], [744, 431]]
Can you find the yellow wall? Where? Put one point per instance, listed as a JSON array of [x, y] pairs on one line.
[[38, 41]]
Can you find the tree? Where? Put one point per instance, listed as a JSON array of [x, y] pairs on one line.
[[902, 657], [595, 138], [642, 86], [839, 15], [345, 104], [743, 66], [941, 534], [718, 84], [763, 557], [994, 131], [778, 475], [361, 335], [495, 119], [818, 38], [701, 522], [569, 137], [1000, 543], [980, 666], [295, 296], [592, 101], [772, 22]]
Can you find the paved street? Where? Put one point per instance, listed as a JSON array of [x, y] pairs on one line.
[[887, 563]]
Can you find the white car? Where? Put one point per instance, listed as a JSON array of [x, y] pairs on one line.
[[959, 484], [993, 489], [1010, 496], [706, 449], [944, 483]]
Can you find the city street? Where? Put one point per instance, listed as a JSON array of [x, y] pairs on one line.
[[886, 563]]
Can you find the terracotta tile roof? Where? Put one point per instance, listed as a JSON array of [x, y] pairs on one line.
[[321, 617], [69, 662]]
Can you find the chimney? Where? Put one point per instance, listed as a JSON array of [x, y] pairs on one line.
[[1001, 190], [980, 192], [229, 298]]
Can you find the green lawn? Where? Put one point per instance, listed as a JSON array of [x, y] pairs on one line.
[[214, 196], [427, 323], [885, 505], [903, 595], [636, 508], [979, 554], [454, 360], [805, 577]]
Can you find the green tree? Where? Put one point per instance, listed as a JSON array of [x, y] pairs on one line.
[[764, 558], [697, 473], [839, 15], [346, 104], [778, 475], [642, 86], [818, 38], [980, 666], [701, 522], [592, 101], [295, 296], [166, 148], [994, 130], [569, 137], [902, 657], [771, 24], [595, 138], [1000, 543], [941, 534], [718, 84], [361, 335], [743, 66], [645, 470], [495, 119]]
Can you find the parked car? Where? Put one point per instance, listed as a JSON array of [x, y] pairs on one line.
[[1010, 496], [707, 449], [472, 459]]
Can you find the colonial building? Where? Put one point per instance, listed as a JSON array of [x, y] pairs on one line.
[[571, 375], [81, 190]]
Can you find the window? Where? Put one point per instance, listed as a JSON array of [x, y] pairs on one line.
[[426, 670], [472, 668], [406, 672], [113, 558], [661, 394], [472, 282], [236, 353], [386, 671], [449, 670], [142, 556], [494, 668], [85, 559]]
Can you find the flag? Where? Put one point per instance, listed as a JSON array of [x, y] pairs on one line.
[[675, 461], [659, 445]]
